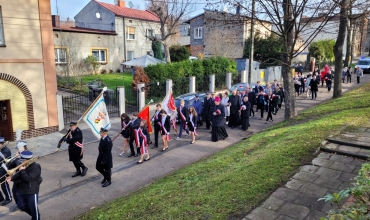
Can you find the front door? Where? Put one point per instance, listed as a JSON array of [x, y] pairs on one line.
[[6, 128]]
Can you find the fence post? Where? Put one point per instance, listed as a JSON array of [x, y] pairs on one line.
[[243, 76], [60, 112], [168, 85], [212, 83], [121, 99], [192, 84], [141, 95], [228, 80]]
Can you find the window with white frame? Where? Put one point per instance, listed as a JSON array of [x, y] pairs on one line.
[[130, 55], [198, 33], [2, 42], [100, 54], [149, 34], [130, 33], [60, 55]]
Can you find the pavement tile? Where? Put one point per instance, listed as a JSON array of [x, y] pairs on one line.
[[364, 139], [309, 201], [327, 207], [348, 177], [364, 151], [294, 211], [342, 167], [284, 217], [324, 155], [341, 159], [345, 185], [315, 215], [304, 176], [261, 213], [349, 135], [322, 162], [294, 184], [328, 182], [309, 168], [285, 194], [273, 203], [349, 149], [313, 189], [323, 171], [357, 162]]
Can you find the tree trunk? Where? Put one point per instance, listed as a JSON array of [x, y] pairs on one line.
[[167, 52], [338, 49], [290, 103], [348, 46]]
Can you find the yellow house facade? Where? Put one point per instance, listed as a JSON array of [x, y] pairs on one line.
[[27, 69]]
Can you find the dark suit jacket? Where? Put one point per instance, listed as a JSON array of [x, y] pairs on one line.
[[185, 112], [156, 126], [252, 98], [207, 107], [74, 151], [218, 119], [235, 104], [167, 123], [105, 153], [135, 125], [245, 113]]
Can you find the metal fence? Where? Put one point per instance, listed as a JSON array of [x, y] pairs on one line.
[[131, 103], [237, 78], [202, 84], [220, 81], [180, 86], [75, 104]]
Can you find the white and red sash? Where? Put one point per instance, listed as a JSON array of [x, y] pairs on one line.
[[182, 115], [165, 131], [143, 143], [125, 125], [195, 129], [174, 123], [78, 144], [136, 134]]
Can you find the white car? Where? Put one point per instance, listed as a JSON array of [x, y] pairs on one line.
[[364, 64], [191, 58]]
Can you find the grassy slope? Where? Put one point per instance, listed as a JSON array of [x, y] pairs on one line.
[[237, 179]]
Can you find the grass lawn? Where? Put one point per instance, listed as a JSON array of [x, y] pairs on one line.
[[237, 179], [111, 80]]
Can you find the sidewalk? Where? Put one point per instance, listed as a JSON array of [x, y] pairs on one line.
[[63, 197]]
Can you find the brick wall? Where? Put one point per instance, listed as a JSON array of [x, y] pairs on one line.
[[37, 132], [196, 49]]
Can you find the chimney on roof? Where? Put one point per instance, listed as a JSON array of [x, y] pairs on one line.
[[55, 20], [121, 4], [238, 9]]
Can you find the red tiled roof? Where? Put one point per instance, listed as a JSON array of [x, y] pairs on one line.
[[129, 12], [82, 30]]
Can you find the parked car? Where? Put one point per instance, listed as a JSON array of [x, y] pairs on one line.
[[189, 99], [364, 64], [243, 86]]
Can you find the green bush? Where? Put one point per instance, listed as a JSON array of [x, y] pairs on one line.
[[322, 50], [179, 53]]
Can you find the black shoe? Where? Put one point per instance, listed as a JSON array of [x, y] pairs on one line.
[[155, 146], [137, 155], [131, 155], [6, 202], [78, 173], [107, 183], [84, 171], [104, 180]]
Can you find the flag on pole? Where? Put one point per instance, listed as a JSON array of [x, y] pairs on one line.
[[144, 115], [168, 104], [97, 117]]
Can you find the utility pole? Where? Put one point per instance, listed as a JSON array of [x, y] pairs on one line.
[[56, 5], [251, 44]]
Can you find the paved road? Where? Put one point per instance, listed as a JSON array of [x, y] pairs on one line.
[[63, 197]]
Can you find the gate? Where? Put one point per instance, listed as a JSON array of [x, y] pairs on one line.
[[75, 104], [131, 97], [155, 91]]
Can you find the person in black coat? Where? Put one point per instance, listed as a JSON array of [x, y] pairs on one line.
[[165, 124], [218, 129], [157, 128], [245, 113], [144, 141], [270, 102], [125, 132], [29, 180], [134, 126], [104, 162], [234, 102], [314, 87], [75, 148], [328, 78], [207, 110], [261, 102], [6, 153], [251, 100], [192, 123], [182, 118]]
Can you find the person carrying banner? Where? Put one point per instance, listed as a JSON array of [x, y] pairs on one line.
[[144, 140], [134, 126], [157, 128], [75, 148], [182, 119], [192, 123], [164, 123], [104, 162]]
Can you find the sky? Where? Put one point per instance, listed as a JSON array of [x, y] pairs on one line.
[[70, 8]]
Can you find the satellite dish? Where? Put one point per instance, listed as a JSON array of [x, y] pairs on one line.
[[130, 4]]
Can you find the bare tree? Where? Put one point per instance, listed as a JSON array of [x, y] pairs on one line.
[[291, 19], [169, 13]]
